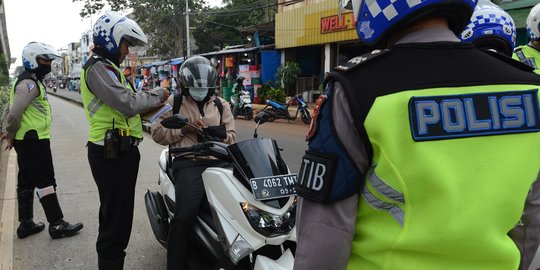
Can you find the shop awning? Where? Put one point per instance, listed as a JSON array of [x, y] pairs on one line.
[[176, 61], [232, 51], [160, 63]]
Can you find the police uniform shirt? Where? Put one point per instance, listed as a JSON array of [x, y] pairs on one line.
[[25, 91], [325, 231], [103, 83]]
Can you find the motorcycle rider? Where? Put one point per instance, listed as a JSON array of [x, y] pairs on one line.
[[26, 126], [530, 53], [112, 108], [198, 103], [412, 146], [238, 86], [491, 28]]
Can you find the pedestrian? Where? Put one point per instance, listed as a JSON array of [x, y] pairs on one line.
[[27, 127], [491, 28], [112, 109], [422, 154], [530, 53], [203, 110]]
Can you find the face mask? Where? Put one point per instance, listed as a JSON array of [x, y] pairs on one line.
[[198, 94], [42, 70]]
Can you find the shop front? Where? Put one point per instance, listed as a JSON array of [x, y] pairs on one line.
[[315, 37]]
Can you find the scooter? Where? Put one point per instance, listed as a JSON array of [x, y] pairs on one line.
[[248, 218], [241, 104], [278, 110]]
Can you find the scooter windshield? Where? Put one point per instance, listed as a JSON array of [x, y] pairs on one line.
[[258, 158]]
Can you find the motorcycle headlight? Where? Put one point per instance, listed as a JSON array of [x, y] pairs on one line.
[[268, 224]]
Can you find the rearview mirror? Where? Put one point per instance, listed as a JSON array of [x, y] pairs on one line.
[[176, 121], [262, 117]]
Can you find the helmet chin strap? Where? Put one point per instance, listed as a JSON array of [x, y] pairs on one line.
[[115, 58]]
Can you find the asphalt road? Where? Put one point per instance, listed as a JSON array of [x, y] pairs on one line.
[[79, 198]]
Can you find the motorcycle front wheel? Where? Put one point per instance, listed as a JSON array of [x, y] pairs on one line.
[[306, 118], [235, 112], [248, 113]]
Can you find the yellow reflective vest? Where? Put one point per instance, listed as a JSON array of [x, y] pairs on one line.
[[37, 115], [101, 116]]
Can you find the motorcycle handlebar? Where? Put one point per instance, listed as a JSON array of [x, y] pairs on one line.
[[194, 148], [209, 148]]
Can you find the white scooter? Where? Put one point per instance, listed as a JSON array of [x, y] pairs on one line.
[[248, 220], [241, 104]]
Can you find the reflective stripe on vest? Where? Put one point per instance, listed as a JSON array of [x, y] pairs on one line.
[[37, 115], [527, 55], [382, 188], [101, 117]]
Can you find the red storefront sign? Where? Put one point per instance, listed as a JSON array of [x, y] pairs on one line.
[[335, 23]]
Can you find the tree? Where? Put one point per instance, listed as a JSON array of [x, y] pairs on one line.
[[286, 76], [163, 21], [218, 27]]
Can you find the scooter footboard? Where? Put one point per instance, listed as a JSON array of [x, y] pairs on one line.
[[157, 214]]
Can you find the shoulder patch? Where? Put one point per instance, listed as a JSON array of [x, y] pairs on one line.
[[314, 121], [30, 86], [111, 72], [359, 60]]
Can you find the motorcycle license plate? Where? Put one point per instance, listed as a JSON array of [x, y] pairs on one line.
[[272, 187]]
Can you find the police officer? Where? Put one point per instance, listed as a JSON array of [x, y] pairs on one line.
[[203, 110], [491, 28], [112, 109], [530, 53], [422, 155], [27, 126]]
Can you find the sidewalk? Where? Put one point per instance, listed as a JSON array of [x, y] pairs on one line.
[[76, 97]]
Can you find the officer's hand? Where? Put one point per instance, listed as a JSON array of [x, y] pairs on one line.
[[9, 143], [166, 94], [164, 84]]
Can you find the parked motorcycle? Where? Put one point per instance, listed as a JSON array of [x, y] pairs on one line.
[[278, 110], [241, 104], [248, 218]]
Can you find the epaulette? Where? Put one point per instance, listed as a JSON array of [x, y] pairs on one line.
[[362, 59], [509, 60]]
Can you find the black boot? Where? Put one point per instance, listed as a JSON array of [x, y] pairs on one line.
[[110, 264], [26, 214], [58, 227]]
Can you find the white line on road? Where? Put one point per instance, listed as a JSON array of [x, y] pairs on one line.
[[8, 215]]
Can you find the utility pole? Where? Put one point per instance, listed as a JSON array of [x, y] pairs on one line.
[[188, 46]]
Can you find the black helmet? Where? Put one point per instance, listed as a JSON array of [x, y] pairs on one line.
[[240, 79], [197, 72]]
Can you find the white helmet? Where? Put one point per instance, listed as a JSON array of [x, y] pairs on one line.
[[533, 23], [112, 27], [34, 50]]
